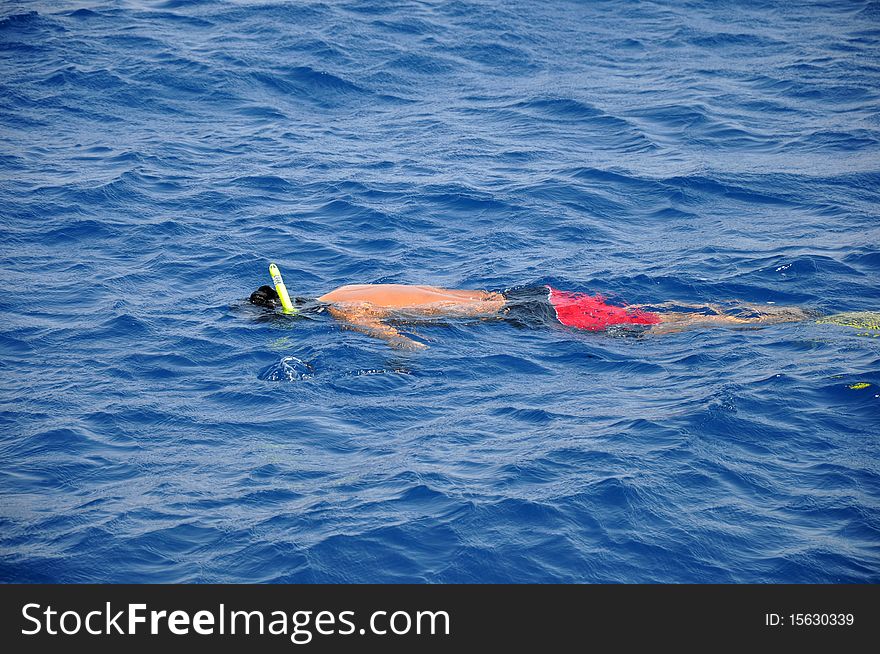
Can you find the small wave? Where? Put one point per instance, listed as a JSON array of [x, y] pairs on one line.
[[289, 369], [84, 13], [157, 155], [270, 183]]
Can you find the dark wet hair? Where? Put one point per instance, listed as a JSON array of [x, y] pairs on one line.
[[265, 296]]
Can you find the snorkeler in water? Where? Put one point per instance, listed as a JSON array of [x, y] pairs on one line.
[[373, 309]]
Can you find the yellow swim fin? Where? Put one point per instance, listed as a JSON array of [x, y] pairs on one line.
[[868, 320]]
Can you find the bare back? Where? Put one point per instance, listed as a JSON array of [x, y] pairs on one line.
[[365, 307], [393, 296]]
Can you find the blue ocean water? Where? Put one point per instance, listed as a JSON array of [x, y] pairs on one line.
[[157, 155]]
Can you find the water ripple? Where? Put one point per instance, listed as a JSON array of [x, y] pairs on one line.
[[155, 157]]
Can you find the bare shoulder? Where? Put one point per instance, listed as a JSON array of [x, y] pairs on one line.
[[404, 295], [357, 287], [353, 287], [345, 292]]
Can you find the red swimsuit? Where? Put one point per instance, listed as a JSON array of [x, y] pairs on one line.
[[592, 313]]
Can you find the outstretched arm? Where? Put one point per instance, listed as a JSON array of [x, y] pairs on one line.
[[368, 320]]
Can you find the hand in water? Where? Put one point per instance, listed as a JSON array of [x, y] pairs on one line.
[[404, 343]]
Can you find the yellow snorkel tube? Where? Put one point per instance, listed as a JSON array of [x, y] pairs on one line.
[[286, 304]]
